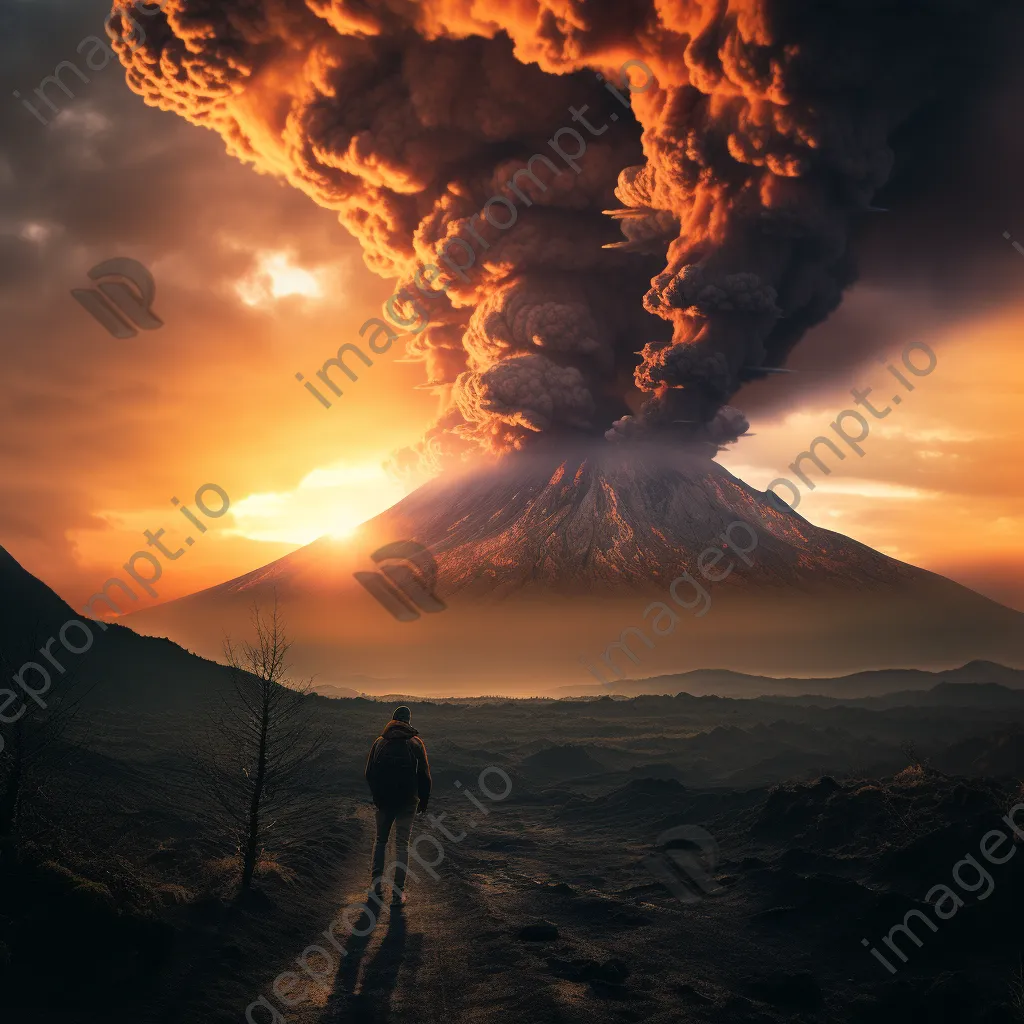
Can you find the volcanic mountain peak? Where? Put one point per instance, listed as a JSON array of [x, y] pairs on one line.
[[546, 556], [621, 518], [608, 518]]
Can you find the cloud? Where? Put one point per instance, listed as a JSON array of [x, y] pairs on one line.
[[765, 139], [89, 423], [859, 487], [931, 435]]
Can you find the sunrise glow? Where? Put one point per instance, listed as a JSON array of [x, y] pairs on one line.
[[276, 277], [330, 501]]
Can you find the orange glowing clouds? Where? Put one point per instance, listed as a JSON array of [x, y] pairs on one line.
[[938, 485], [741, 138]]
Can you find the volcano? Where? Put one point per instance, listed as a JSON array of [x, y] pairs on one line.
[[556, 570]]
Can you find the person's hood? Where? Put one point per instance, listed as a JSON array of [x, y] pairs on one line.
[[395, 730]]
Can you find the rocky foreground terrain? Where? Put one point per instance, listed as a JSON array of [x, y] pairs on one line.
[[827, 823]]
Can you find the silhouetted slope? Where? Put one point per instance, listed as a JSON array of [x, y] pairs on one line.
[[122, 668]]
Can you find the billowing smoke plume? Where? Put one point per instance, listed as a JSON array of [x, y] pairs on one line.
[[701, 164]]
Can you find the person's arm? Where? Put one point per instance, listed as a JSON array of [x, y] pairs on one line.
[[369, 760], [422, 774]]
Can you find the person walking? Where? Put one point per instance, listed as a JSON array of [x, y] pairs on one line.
[[398, 774]]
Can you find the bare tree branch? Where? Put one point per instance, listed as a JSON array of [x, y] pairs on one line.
[[249, 765]]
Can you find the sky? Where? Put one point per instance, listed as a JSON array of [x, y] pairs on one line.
[[255, 283]]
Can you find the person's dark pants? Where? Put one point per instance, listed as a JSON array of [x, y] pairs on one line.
[[401, 819]]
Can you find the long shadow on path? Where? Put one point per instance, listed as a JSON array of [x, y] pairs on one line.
[[372, 1003]]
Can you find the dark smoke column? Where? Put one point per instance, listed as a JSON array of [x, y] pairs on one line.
[[763, 143], [763, 130]]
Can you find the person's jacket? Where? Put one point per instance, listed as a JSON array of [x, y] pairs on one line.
[[398, 790]]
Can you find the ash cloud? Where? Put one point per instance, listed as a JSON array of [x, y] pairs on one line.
[[705, 229]]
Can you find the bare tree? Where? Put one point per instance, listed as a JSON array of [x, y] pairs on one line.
[[251, 763]]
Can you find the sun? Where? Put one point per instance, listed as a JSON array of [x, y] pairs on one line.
[[332, 501], [276, 277]]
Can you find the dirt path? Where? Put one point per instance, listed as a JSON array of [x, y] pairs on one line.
[[453, 954], [450, 954]]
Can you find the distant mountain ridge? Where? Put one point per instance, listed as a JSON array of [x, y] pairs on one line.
[[873, 683], [148, 672]]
